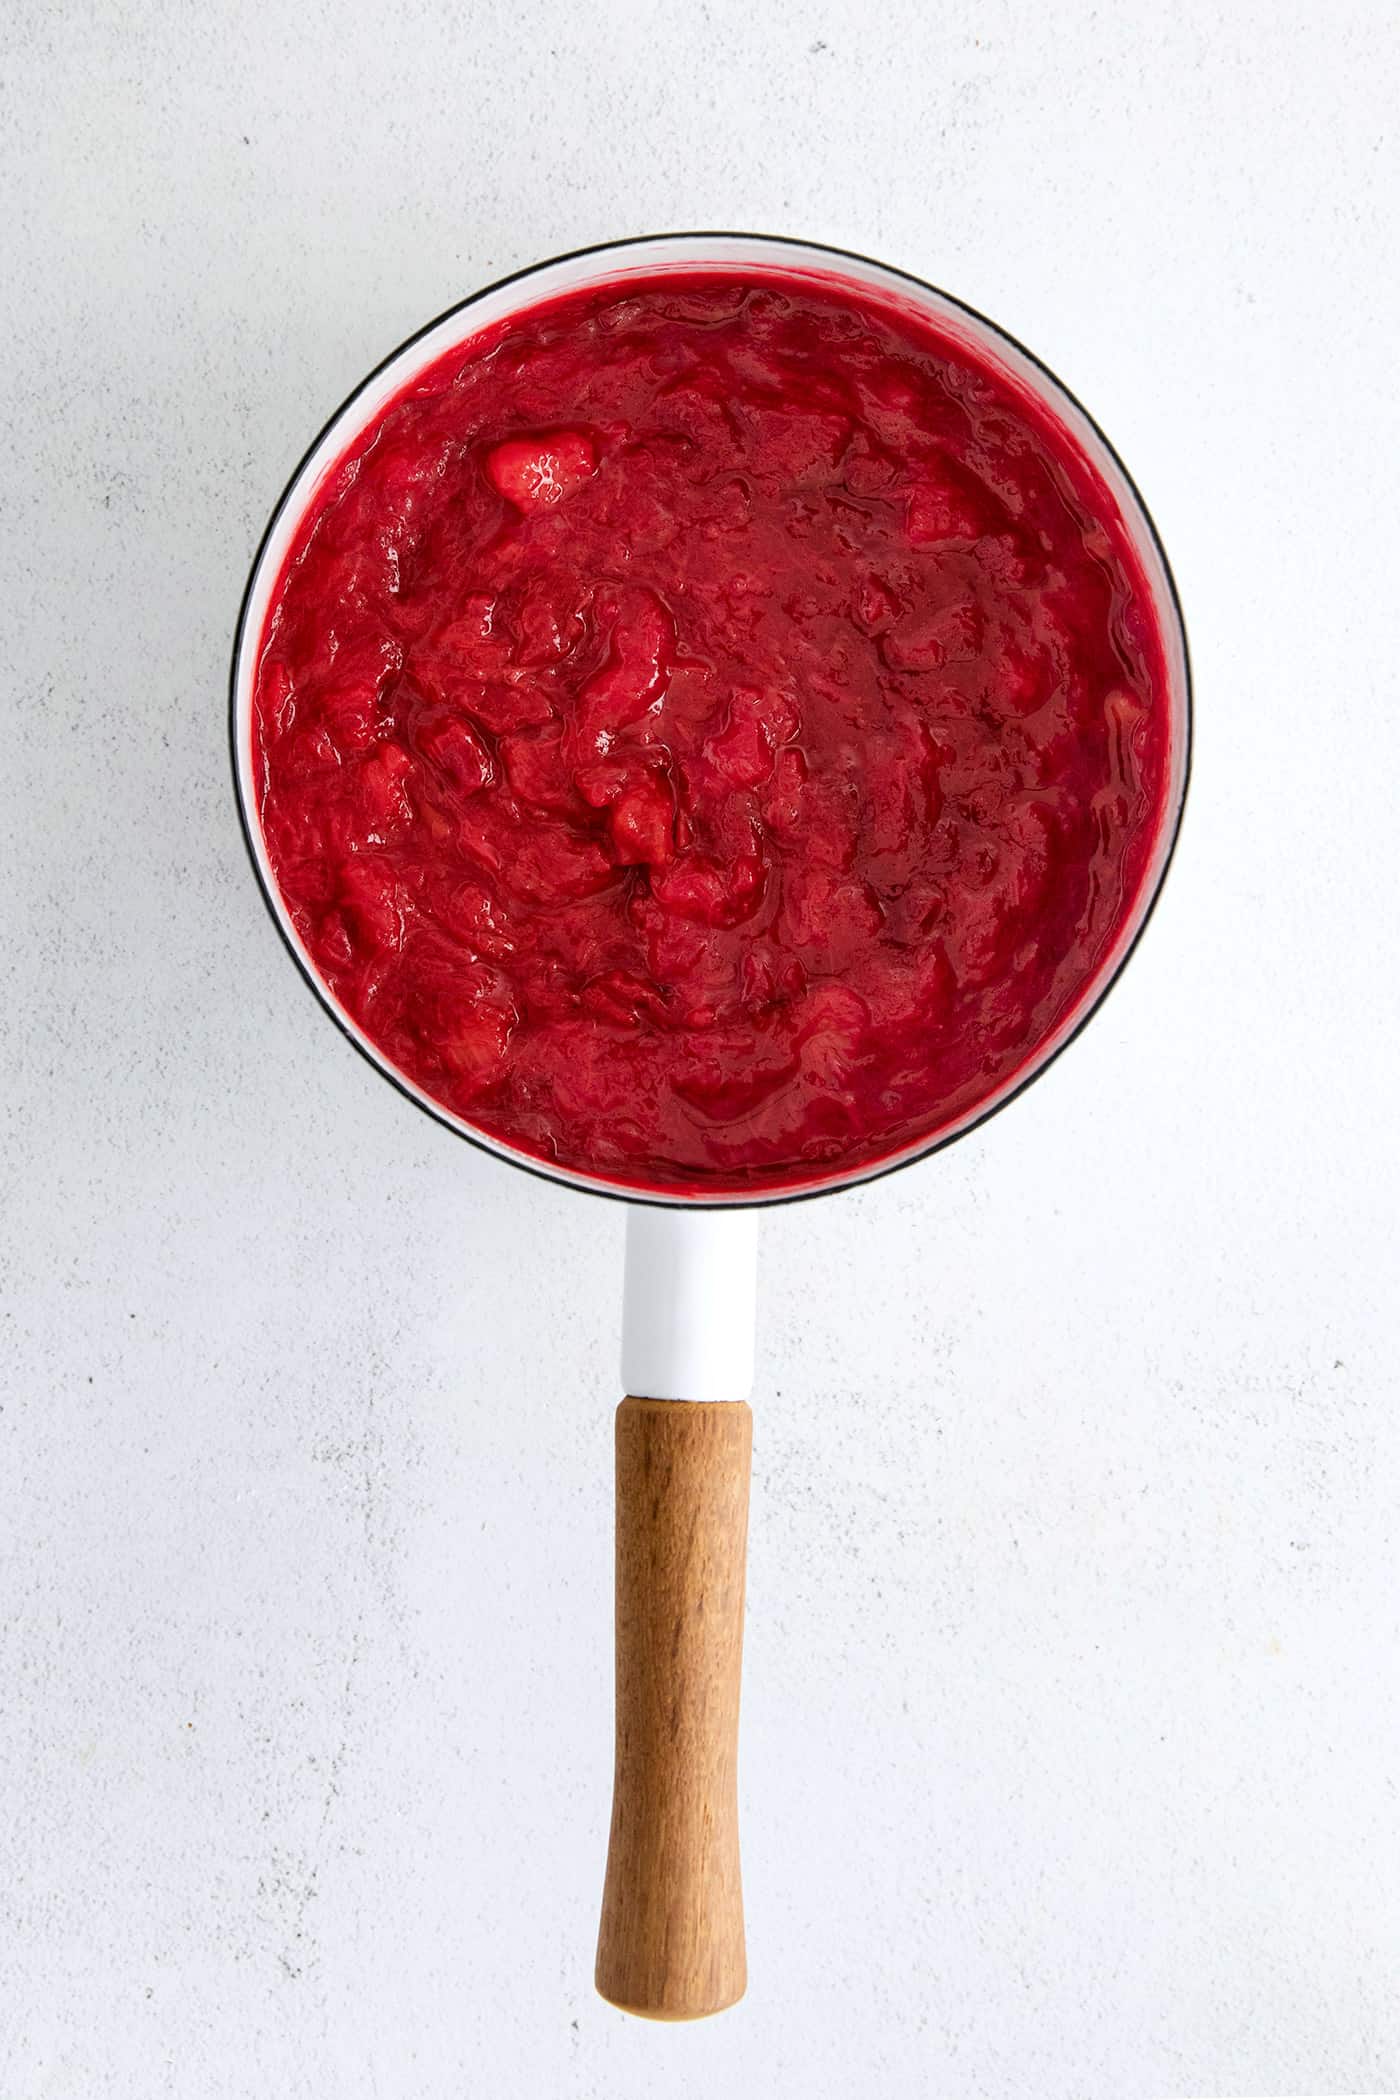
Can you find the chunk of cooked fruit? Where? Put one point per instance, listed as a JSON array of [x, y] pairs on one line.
[[545, 630], [782, 807], [829, 1024], [947, 505], [372, 900], [829, 911], [557, 864], [708, 891], [756, 724], [536, 473], [536, 770], [469, 911], [642, 637], [349, 690], [641, 824], [468, 1026], [458, 752], [382, 790]]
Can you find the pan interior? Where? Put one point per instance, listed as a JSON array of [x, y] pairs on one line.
[[699, 255]]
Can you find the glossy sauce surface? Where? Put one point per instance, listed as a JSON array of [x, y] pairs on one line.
[[710, 731]]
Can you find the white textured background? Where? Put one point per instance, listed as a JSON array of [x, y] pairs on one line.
[[1073, 1680]]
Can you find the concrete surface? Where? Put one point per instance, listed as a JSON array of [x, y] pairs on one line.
[[1073, 1693]]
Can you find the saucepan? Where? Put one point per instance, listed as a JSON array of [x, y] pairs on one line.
[[671, 1941]]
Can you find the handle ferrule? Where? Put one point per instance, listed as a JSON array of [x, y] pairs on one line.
[[688, 1303]]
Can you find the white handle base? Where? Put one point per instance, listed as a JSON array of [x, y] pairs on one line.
[[689, 1303]]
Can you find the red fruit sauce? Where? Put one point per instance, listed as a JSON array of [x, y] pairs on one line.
[[710, 731]]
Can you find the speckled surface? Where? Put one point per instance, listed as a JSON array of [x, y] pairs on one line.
[[1069, 1750]]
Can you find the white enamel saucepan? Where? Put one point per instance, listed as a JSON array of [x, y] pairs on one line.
[[671, 1943]]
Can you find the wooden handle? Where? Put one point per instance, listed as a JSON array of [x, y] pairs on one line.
[[671, 1942]]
